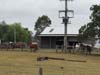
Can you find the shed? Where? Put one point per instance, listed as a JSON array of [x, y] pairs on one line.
[[53, 36]]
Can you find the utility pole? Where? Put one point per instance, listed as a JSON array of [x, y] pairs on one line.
[[15, 35], [65, 21]]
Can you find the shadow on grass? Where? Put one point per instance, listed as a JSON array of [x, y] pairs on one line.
[[95, 54]]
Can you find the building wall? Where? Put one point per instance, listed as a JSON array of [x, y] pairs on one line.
[[51, 41]]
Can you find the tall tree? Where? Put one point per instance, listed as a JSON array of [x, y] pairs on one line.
[[41, 23], [3, 30], [91, 29], [7, 32], [22, 34]]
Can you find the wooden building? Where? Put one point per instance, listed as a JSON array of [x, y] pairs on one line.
[[51, 37]]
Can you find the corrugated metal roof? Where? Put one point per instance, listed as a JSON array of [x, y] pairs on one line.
[[58, 31], [57, 28], [57, 35]]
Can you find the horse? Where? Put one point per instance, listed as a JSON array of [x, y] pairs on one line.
[[86, 48], [20, 45], [33, 46]]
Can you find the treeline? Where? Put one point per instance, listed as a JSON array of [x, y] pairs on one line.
[[91, 30], [12, 32]]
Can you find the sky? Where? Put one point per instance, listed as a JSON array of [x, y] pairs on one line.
[[27, 12]]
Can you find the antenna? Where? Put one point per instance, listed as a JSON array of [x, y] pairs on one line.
[[65, 19]]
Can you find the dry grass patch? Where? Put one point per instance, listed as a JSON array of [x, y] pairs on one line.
[[25, 63]]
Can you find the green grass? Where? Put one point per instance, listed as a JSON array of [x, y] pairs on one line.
[[25, 63]]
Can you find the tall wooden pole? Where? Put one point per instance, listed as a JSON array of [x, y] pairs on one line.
[[65, 31], [65, 21], [14, 34]]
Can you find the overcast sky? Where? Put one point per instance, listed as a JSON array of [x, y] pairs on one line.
[[27, 11]]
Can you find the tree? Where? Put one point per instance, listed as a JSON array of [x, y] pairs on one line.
[[41, 23], [91, 30], [3, 30], [22, 34], [7, 32]]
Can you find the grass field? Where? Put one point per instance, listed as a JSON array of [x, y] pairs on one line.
[[25, 63]]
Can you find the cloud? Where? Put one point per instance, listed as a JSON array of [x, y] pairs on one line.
[[27, 11]]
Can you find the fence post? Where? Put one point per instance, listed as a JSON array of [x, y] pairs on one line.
[[40, 71]]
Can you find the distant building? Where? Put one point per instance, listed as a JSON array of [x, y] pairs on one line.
[[51, 37]]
